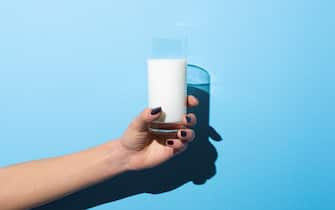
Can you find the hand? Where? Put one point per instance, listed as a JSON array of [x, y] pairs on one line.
[[145, 149]]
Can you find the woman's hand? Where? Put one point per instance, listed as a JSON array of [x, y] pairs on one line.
[[145, 149]]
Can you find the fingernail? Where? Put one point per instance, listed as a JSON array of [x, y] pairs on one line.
[[169, 142], [188, 119], [156, 110], [183, 133]]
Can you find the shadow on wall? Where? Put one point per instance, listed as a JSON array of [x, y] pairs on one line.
[[196, 164]]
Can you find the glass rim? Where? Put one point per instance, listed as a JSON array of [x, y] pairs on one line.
[[202, 70]]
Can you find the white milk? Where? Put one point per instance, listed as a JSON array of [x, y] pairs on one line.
[[167, 87]]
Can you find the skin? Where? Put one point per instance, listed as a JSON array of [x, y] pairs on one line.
[[30, 184]]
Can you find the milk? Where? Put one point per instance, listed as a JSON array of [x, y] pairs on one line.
[[167, 88]]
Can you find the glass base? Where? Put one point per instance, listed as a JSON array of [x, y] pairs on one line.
[[165, 128]]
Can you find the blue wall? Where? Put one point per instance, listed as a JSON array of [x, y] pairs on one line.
[[72, 75]]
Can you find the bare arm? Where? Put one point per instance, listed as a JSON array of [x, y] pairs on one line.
[[30, 184]]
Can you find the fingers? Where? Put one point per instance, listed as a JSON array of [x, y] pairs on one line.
[[177, 145], [185, 136], [174, 143], [189, 120], [148, 115], [192, 101], [145, 117]]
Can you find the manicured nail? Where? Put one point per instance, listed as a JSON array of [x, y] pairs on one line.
[[183, 133], [169, 142], [156, 110], [188, 119]]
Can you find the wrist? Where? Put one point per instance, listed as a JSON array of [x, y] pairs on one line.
[[117, 157]]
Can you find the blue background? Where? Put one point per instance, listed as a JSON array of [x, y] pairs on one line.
[[73, 75]]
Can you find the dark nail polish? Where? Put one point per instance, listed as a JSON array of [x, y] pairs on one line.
[[170, 142], [183, 133], [188, 119], [156, 110]]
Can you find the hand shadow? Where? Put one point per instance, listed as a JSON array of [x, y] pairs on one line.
[[196, 164]]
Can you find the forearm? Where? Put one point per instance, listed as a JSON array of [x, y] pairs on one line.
[[33, 183]]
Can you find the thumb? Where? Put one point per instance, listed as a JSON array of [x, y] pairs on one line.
[[148, 115]]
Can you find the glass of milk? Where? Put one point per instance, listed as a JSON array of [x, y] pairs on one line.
[[167, 83]]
